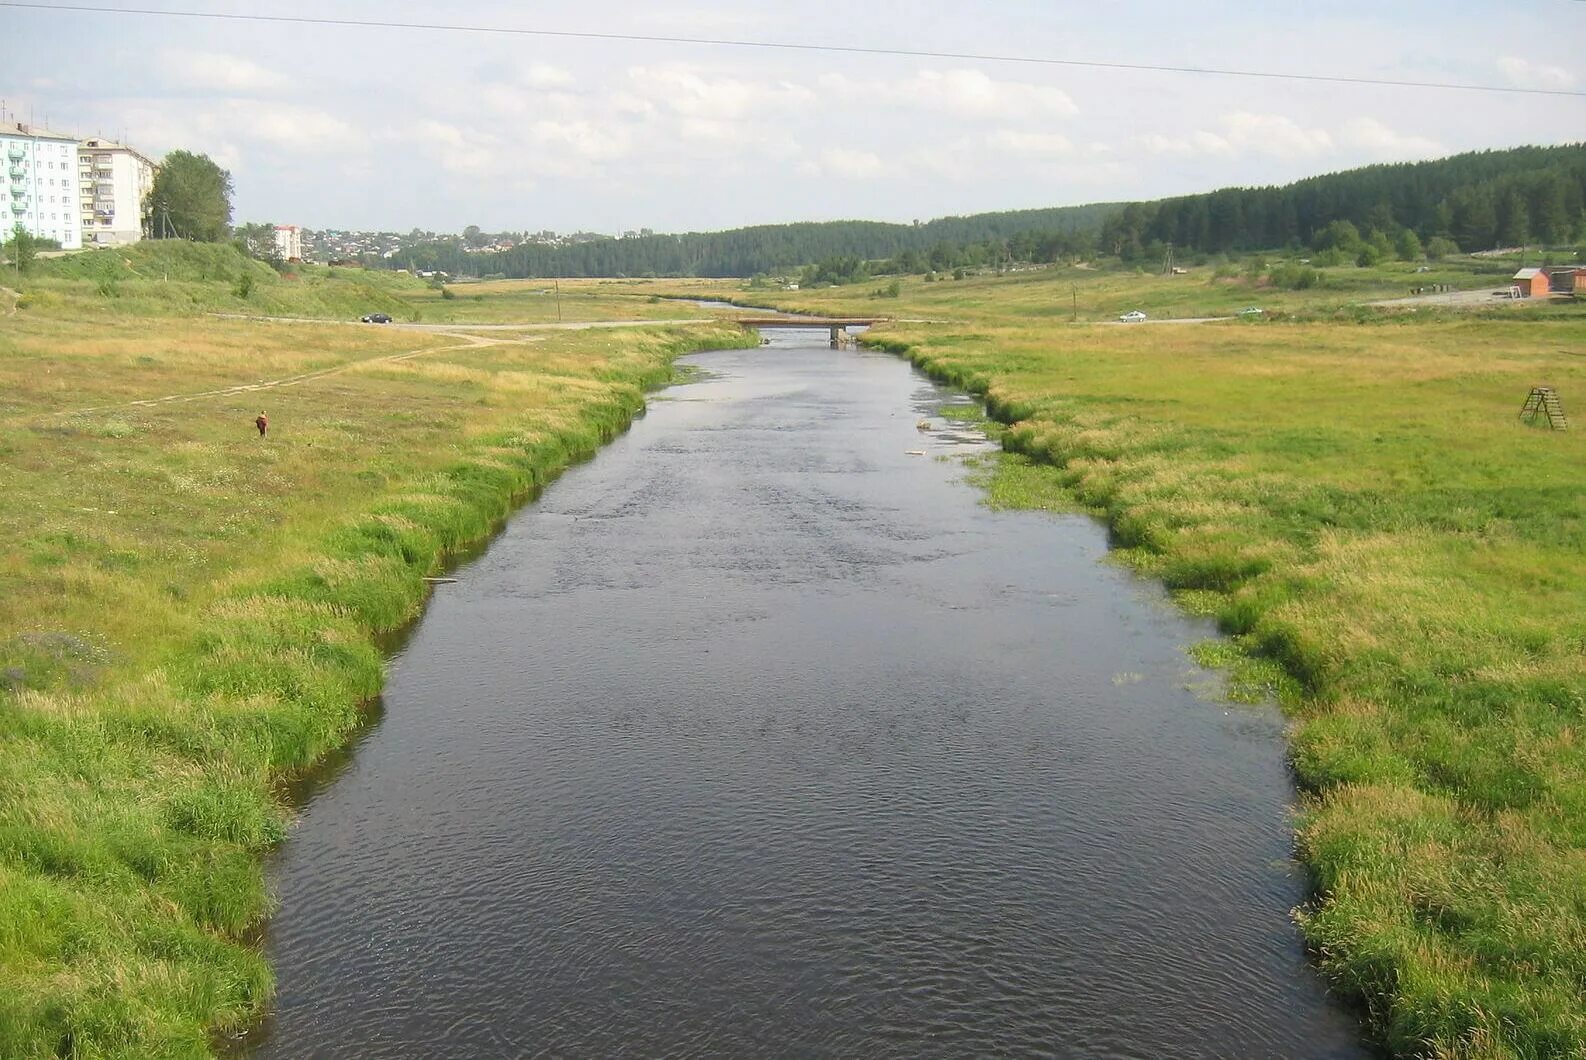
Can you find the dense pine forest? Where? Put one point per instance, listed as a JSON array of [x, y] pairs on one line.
[[1469, 202], [1479, 200]]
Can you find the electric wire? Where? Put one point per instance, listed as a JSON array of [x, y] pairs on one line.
[[844, 49]]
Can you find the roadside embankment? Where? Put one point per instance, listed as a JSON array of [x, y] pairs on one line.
[[189, 613], [1399, 561]]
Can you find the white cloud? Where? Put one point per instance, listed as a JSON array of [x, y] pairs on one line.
[[1378, 140], [1273, 134], [695, 92], [291, 128], [1199, 142], [963, 93], [217, 72], [578, 139], [1244, 133], [1526, 74], [543, 75], [845, 164], [1030, 144]]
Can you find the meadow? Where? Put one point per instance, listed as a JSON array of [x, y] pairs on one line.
[[189, 612], [1396, 558]]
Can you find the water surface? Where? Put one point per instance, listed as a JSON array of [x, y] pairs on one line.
[[759, 735]]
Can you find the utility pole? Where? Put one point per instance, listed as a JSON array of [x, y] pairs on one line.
[[1076, 304], [1167, 261]]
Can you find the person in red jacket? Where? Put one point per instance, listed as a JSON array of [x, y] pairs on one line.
[[263, 423]]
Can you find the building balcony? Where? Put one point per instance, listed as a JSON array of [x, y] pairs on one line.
[[19, 207], [17, 152], [18, 173], [18, 191]]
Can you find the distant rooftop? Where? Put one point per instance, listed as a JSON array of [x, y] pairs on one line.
[[17, 128]]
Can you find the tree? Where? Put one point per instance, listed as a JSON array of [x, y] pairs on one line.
[[1408, 245], [191, 199], [1514, 221], [22, 248], [474, 237], [258, 241], [1440, 247]]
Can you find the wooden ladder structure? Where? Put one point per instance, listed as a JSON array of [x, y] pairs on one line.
[[1544, 400]]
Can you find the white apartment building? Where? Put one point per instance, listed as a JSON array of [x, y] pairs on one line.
[[41, 170], [289, 242], [113, 181]]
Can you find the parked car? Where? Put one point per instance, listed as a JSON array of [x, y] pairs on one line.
[[1250, 311], [1134, 316], [376, 318]]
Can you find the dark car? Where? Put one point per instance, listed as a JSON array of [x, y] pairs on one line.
[[376, 318]]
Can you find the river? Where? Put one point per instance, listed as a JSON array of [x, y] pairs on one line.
[[760, 735]]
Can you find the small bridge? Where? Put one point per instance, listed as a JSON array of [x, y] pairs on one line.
[[838, 326]]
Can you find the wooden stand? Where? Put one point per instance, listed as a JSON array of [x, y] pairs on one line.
[[1544, 400]]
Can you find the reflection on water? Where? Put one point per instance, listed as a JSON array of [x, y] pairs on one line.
[[760, 735]]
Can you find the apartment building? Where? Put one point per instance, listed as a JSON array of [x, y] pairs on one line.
[[41, 167], [113, 181], [289, 242]]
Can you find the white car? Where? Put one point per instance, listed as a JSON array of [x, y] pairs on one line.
[[1134, 316]]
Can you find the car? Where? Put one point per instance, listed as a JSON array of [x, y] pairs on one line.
[[376, 318], [1134, 316], [1250, 311]]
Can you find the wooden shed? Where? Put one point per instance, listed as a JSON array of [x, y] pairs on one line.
[[1533, 283]]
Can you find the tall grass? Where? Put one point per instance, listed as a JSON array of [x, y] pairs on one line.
[[188, 615], [1358, 504]]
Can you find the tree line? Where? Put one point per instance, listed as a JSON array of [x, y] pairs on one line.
[[747, 251], [1467, 202], [1475, 201]]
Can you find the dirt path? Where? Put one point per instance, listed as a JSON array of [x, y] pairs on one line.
[[471, 342], [454, 328]]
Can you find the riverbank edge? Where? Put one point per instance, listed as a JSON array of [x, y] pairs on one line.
[[1407, 1009], [164, 954]]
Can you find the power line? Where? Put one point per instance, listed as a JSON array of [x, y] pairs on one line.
[[845, 49]]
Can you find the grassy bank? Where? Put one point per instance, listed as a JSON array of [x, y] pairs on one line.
[[1394, 555], [1360, 505], [188, 613]]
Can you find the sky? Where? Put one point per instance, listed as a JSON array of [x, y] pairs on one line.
[[384, 128]]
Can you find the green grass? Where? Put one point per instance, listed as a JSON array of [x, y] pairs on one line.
[[188, 614], [1394, 557]]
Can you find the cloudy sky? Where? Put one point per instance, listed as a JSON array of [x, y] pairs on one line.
[[399, 128]]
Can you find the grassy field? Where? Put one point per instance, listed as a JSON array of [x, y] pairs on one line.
[[1396, 558], [169, 278], [188, 611], [1063, 293]]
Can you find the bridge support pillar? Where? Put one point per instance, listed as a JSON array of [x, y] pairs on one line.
[[838, 335]]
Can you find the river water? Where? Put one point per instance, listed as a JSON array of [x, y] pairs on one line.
[[760, 735]]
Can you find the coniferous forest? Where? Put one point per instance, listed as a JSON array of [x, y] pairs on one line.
[[1468, 202]]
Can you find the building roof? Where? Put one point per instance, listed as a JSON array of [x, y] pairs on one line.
[[17, 128], [1526, 274], [99, 143]]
